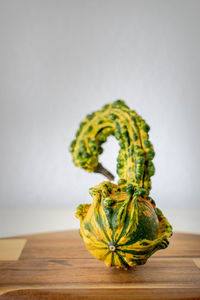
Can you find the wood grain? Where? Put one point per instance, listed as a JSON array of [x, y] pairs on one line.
[[57, 266]]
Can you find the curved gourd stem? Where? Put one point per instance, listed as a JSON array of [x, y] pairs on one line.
[[100, 169], [134, 162]]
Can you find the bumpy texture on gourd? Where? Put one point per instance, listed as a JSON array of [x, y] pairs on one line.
[[122, 227]]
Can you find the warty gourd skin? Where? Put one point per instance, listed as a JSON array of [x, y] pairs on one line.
[[122, 227]]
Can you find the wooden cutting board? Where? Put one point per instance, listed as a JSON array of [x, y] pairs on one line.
[[58, 266]]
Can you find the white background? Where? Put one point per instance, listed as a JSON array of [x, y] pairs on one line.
[[60, 60]]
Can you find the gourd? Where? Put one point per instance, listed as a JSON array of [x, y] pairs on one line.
[[122, 227]]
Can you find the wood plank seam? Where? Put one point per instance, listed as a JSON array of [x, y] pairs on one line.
[[197, 262], [11, 249]]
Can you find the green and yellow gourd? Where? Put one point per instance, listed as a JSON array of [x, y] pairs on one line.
[[122, 227]]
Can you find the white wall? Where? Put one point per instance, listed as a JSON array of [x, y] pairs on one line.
[[60, 60]]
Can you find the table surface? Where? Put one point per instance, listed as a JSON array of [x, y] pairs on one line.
[[58, 266]]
